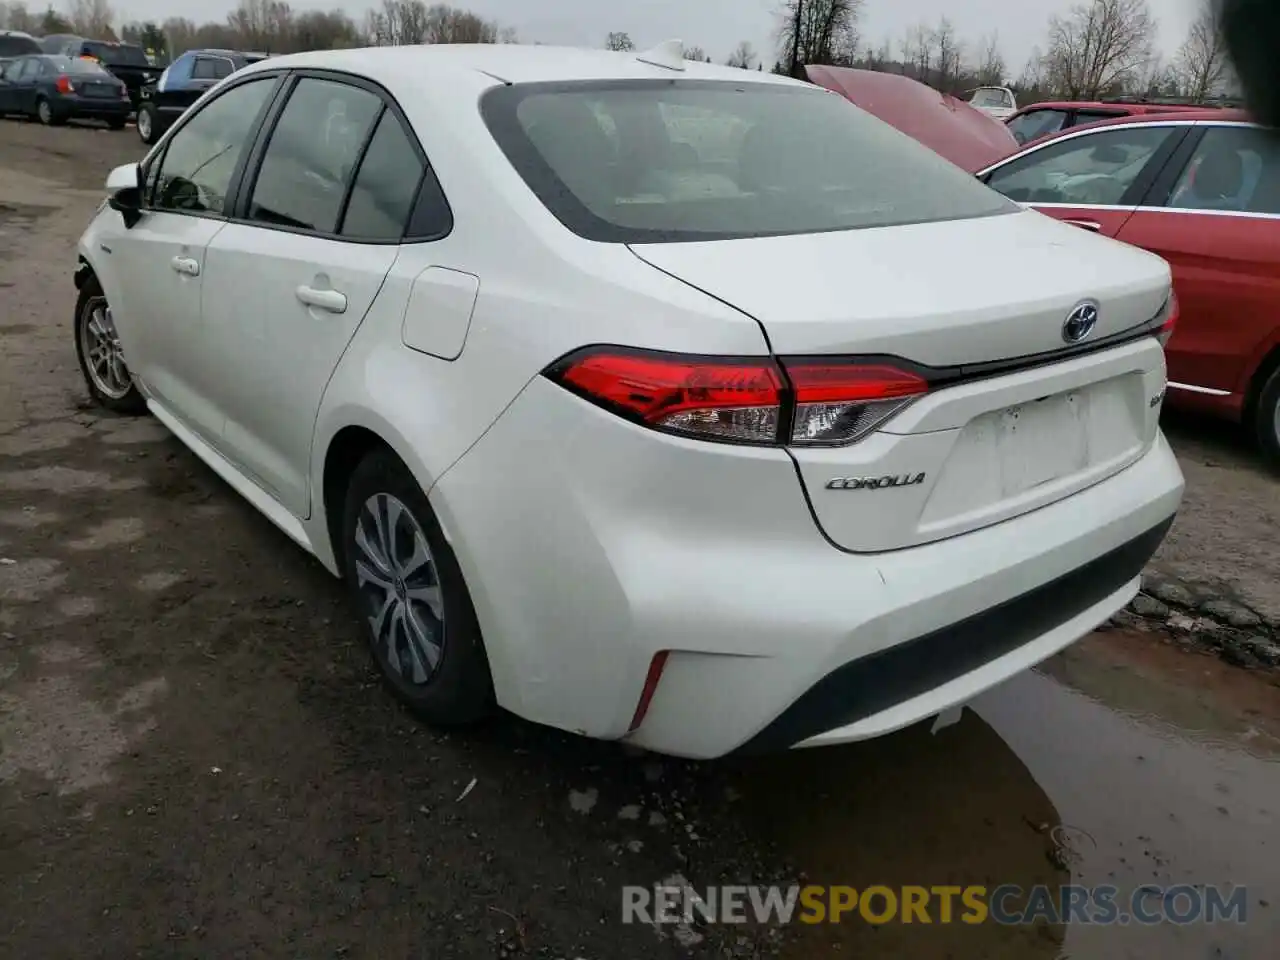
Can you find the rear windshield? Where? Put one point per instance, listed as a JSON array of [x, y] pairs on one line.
[[677, 160], [77, 65], [990, 98], [17, 46], [117, 54]]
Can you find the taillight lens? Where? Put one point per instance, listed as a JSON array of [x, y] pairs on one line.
[[63, 84], [1172, 313], [721, 399], [803, 401], [838, 403]]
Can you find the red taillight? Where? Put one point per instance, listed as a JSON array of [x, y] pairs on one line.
[[803, 401], [63, 84], [841, 402], [1171, 319], [725, 399]]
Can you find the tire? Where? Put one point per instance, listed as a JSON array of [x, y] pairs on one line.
[[98, 374], [455, 689], [148, 124], [1266, 420], [46, 115]]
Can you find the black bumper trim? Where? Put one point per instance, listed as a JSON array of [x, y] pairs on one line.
[[864, 687]]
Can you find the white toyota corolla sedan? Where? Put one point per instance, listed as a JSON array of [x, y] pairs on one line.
[[648, 399]]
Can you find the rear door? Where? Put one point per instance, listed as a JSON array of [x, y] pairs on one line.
[[1093, 179], [1215, 217], [292, 288]]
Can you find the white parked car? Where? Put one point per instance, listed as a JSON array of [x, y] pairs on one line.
[[998, 103], [622, 399]]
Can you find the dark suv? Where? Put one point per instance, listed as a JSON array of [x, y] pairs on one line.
[[182, 84], [127, 61], [15, 43]]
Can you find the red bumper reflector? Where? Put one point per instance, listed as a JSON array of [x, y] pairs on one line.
[[656, 666]]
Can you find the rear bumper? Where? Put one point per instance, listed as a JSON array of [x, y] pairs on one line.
[[837, 706], [91, 107], [590, 545]]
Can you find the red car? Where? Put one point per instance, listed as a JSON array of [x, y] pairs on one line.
[[1038, 120], [1199, 187], [1202, 190]]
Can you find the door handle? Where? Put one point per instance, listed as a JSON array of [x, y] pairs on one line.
[[186, 266], [328, 300], [1085, 224]]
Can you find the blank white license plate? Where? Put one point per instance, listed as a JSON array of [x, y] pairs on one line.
[[1045, 440]]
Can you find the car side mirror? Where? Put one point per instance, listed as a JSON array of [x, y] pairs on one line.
[[124, 193]]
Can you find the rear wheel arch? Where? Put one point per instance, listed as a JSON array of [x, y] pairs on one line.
[[348, 447]]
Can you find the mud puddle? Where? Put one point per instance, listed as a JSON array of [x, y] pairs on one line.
[[1122, 762]]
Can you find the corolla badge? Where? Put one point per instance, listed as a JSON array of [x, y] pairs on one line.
[[1080, 321]]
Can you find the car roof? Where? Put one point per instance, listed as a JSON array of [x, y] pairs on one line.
[[507, 63], [1120, 106]]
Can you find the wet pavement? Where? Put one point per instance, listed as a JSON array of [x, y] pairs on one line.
[[197, 761]]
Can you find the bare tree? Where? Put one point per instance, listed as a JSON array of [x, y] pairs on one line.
[[743, 57], [92, 18], [918, 52], [818, 31], [446, 24], [1202, 63], [1099, 47], [619, 41], [949, 52], [697, 54], [991, 70], [16, 16]]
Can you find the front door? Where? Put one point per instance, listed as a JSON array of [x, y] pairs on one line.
[[294, 291], [1093, 179], [161, 260]]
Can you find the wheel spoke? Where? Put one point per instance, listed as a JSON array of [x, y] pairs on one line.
[[429, 597], [368, 573], [380, 618], [373, 552], [419, 560], [378, 507], [422, 638]]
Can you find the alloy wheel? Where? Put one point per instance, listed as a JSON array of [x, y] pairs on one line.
[[45, 112], [400, 585], [144, 125], [102, 350]]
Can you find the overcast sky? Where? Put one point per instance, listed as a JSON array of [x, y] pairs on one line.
[[718, 25]]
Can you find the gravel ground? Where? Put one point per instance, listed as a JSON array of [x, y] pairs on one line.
[[196, 759]]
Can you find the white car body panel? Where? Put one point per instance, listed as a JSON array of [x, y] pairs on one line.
[[589, 543]]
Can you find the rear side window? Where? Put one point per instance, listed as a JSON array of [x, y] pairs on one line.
[[386, 185], [1096, 168], [211, 68], [312, 155], [679, 160], [1036, 123]]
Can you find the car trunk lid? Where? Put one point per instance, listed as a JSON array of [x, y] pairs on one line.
[[950, 127], [1010, 422]]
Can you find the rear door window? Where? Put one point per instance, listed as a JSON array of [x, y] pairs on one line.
[[386, 185], [1233, 170], [312, 155], [1095, 168], [211, 68]]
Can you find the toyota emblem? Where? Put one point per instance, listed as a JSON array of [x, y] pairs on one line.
[[1080, 321]]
